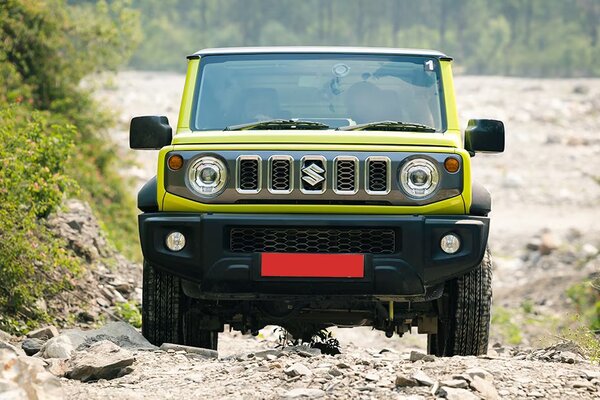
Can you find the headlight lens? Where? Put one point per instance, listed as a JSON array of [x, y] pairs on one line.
[[175, 241], [207, 176], [419, 178]]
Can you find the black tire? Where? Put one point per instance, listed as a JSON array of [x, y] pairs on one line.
[[165, 312], [464, 313]]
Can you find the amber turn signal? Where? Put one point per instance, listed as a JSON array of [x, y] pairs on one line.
[[175, 162], [451, 164]]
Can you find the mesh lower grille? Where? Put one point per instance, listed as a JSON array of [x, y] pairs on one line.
[[248, 175], [312, 240], [345, 171], [280, 175], [378, 178]]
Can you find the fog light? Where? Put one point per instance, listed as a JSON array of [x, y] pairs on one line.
[[175, 241], [450, 243]]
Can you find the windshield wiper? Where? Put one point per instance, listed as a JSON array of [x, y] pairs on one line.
[[388, 126], [278, 124]]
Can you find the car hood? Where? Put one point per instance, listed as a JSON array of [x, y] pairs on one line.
[[447, 139]]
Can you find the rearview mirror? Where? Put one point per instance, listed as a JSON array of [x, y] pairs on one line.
[[150, 132], [485, 136]]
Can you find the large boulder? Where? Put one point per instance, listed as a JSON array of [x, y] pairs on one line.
[[102, 360], [119, 333]]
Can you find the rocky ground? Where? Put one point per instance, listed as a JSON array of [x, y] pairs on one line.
[[116, 362], [545, 238]]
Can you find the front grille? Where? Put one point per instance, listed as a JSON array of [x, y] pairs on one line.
[[346, 174], [312, 240], [378, 176], [280, 176], [248, 174]]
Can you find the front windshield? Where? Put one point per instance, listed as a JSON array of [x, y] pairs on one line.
[[333, 89]]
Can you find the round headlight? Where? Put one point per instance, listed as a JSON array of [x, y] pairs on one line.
[[419, 178], [207, 176]]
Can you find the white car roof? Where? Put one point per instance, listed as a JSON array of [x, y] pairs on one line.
[[319, 49]]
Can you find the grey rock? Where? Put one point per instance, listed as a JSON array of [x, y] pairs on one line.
[[120, 333], [297, 369], [60, 347], [102, 360], [32, 346], [23, 377], [582, 384], [569, 357], [206, 353], [480, 372], [303, 351], [333, 371], [5, 336], [581, 89], [403, 381], [15, 350], [266, 353], [456, 394], [484, 388], [589, 374], [372, 377], [237, 369], [435, 388], [343, 365], [416, 355], [455, 383], [47, 332], [423, 378], [125, 371], [57, 366], [304, 393]]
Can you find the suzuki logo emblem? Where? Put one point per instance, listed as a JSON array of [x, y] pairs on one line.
[[313, 174]]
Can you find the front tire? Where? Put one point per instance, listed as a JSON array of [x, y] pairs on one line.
[[166, 315], [464, 313]]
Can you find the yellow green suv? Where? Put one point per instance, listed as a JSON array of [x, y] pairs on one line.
[[310, 187]]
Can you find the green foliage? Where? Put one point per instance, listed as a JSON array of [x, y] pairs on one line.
[[130, 312], [586, 340], [502, 320], [586, 298], [515, 37], [52, 141], [33, 263]]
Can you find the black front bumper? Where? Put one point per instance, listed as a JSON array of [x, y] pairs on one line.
[[416, 264]]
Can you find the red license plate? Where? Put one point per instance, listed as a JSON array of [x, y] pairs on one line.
[[313, 265]]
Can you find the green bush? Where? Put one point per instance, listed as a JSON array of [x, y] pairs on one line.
[[33, 263], [130, 312], [53, 141]]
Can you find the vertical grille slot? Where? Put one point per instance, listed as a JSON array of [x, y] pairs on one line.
[[346, 175], [378, 175], [248, 174], [280, 174]]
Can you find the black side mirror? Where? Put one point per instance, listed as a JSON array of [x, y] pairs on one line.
[[485, 136], [150, 132]]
